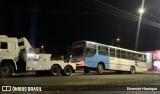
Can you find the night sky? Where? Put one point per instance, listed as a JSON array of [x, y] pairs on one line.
[[56, 24]]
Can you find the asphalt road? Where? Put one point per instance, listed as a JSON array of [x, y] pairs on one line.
[[32, 79], [91, 83]]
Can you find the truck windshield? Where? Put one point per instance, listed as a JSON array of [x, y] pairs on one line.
[[77, 50]]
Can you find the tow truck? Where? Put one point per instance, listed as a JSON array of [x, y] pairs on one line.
[[18, 56]]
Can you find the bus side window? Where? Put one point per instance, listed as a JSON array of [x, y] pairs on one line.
[[102, 50], [106, 51], [123, 54], [90, 51], [134, 56], [118, 53], [140, 57], [129, 55], [112, 52]]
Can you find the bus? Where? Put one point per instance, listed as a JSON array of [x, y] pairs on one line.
[[92, 55]]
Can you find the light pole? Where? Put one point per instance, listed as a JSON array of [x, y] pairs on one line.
[[141, 11]]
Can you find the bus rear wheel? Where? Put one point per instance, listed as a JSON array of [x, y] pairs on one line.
[[100, 69], [132, 70]]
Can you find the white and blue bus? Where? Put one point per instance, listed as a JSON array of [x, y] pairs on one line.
[[92, 55]]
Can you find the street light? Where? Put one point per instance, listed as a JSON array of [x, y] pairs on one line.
[[113, 41], [118, 39], [42, 49], [42, 46], [141, 11]]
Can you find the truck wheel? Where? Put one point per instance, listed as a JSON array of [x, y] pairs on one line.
[[67, 71], [86, 70], [55, 70], [132, 70], [100, 69], [6, 70]]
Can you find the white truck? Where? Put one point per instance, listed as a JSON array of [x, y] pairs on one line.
[[17, 55]]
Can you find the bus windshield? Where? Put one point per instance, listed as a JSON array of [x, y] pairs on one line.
[[78, 49]]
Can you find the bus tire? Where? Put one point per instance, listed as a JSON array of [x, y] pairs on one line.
[[55, 70], [100, 69], [6, 70], [67, 71], [132, 70], [86, 70]]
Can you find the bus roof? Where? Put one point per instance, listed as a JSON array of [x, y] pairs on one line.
[[126, 49], [110, 46]]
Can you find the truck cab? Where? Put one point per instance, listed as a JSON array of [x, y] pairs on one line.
[[9, 54]]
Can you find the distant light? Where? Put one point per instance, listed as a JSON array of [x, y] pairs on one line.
[[42, 46], [118, 39], [141, 10]]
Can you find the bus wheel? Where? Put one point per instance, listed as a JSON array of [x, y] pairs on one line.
[[100, 69], [86, 70], [55, 70], [6, 70], [132, 70], [67, 71]]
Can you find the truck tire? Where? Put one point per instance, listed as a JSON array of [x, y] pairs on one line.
[[55, 70], [86, 70], [100, 69], [6, 70], [67, 71]]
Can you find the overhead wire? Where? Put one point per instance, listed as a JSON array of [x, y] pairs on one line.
[[126, 15], [108, 9]]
